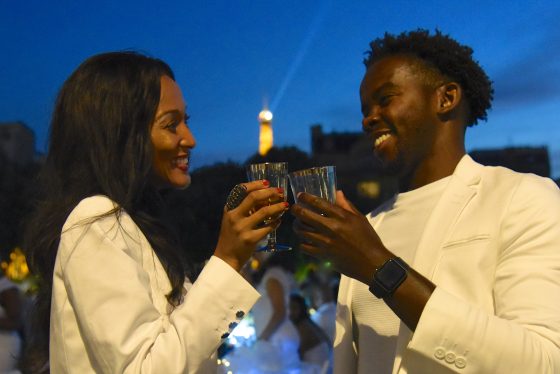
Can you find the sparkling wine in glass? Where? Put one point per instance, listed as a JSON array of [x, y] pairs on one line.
[[277, 174]]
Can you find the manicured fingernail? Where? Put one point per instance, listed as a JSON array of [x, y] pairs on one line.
[[286, 204], [280, 190], [265, 183]]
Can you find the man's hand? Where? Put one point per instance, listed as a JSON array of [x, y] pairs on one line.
[[339, 233], [342, 235]]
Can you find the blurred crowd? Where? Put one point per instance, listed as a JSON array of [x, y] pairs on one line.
[[292, 326], [12, 334]]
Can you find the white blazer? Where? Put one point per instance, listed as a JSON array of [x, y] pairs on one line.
[[492, 247], [109, 313]]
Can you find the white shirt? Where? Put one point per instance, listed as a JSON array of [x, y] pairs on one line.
[[400, 223]]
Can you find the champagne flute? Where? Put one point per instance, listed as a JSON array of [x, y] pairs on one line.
[[277, 174]]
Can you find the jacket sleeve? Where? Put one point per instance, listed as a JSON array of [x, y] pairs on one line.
[[122, 330], [523, 334]]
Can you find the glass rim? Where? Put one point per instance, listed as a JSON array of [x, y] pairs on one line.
[[267, 163], [313, 169]]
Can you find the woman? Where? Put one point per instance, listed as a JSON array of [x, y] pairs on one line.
[[114, 289]]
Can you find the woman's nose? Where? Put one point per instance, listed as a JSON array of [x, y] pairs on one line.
[[187, 138]]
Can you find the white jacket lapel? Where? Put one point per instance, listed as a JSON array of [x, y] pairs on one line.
[[461, 189]]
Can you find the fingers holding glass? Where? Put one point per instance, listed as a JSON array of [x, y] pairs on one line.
[[277, 174], [236, 196], [319, 181], [240, 191], [258, 199], [240, 233]]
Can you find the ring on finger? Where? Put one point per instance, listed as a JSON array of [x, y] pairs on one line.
[[236, 196]]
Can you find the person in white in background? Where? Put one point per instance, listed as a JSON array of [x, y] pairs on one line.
[[314, 345], [10, 325], [325, 315], [270, 313]]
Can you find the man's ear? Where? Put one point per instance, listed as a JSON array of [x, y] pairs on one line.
[[449, 96]]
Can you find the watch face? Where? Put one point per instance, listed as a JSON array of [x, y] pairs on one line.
[[391, 275]]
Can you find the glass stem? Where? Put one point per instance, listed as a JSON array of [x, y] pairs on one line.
[[272, 240]]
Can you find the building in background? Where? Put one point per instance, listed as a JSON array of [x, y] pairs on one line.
[[266, 138], [359, 173], [17, 143], [523, 159]]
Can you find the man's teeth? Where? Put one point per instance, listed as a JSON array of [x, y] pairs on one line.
[[381, 139]]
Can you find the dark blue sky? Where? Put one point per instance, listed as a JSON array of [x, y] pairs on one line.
[[302, 56]]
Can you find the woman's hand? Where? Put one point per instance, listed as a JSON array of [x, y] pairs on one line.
[[242, 227]]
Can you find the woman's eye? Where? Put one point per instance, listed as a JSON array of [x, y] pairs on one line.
[[172, 125]]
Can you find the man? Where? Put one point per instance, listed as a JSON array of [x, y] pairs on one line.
[[460, 271]]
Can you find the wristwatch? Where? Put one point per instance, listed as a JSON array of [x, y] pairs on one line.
[[388, 277]]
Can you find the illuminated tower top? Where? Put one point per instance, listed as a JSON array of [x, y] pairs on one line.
[[265, 135], [265, 116]]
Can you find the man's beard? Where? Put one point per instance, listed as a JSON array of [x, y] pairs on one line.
[[392, 168]]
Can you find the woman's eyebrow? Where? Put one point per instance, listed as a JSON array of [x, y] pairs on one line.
[[175, 112]]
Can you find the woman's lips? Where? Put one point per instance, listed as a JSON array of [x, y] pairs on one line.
[[181, 163]]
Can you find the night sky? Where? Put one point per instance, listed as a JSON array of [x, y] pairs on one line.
[[302, 57]]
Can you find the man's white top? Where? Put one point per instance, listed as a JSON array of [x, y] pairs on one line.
[[491, 247], [377, 326]]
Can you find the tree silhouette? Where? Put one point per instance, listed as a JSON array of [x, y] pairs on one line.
[[16, 188], [198, 209]]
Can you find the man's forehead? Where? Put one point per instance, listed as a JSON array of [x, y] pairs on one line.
[[393, 70], [392, 64]]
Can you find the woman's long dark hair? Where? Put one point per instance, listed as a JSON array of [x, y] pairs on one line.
[[99, 145]]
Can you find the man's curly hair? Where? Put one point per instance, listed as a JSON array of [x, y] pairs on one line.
[[449, 58]]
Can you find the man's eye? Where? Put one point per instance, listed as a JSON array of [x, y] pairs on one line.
[[385, 100]]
